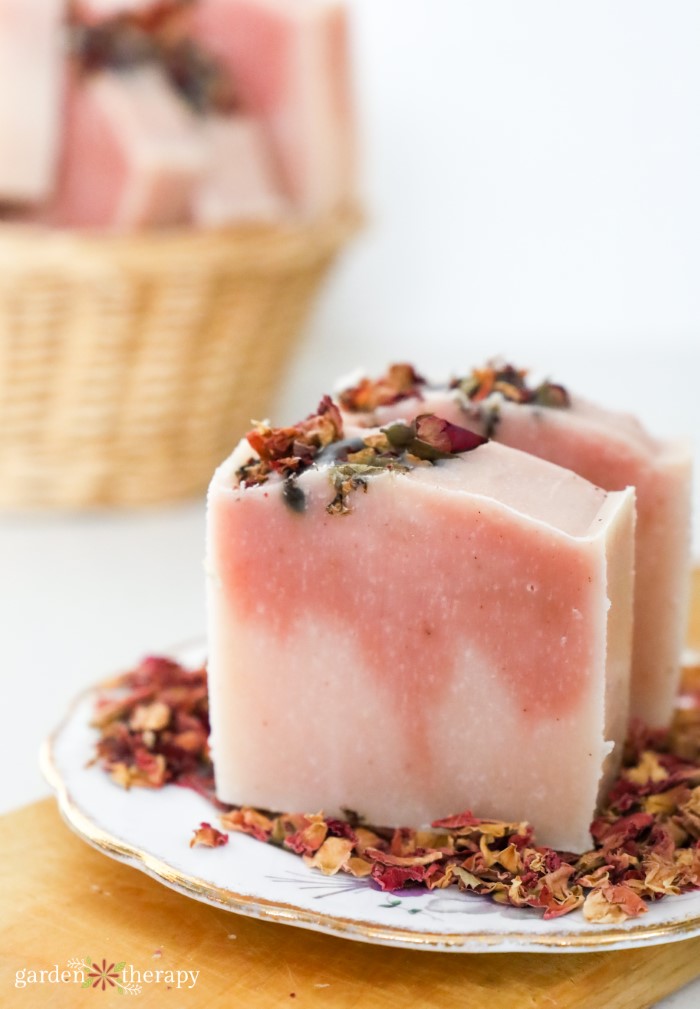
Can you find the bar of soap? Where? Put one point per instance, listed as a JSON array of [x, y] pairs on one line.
[[31, 81], [97, 11], [133, 155], [607, 447], [238, 181], [289, 64], [411, 639]]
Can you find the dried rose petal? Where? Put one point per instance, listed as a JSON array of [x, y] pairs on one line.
[[249, 821], [466, 819], [310, 838], [208, 836], [389, 877], [400, 382], [358, 867], [151, 717], [511, 383], [431, 438], [420, 857], [290, 450], [333, 854], [612, 904], [446, 437]]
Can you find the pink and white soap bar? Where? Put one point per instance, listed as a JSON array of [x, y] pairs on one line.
[[237, 184], [411, 639], [288, 60], [96, 11], [31, 80], [607, 447], [133, 156]]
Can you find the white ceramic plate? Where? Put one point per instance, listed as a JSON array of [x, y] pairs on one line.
[[150, 830]]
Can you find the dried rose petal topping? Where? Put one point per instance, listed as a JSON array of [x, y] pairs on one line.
[[401, 381], [431, 438], [208, 836], [446, 437], [512, 385], [291, 450]]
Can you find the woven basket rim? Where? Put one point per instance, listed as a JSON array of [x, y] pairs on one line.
[[254, 246]]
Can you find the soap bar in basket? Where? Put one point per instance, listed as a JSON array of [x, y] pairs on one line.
[[132, 155], [607, 447], [31, 77], [408, 628], [289, 61], [238, 180], [95, 11]]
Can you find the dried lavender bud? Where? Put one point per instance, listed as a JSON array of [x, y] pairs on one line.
[[294, 496]]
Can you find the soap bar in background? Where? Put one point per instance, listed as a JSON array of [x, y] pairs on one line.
[[288, 60], [132, 155], [31, 81], [237, 184], [94, 12], [614, 451], [460, 639]]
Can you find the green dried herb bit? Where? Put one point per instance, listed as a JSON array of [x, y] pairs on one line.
[[401, 381], [431, 438], [512, 385], [399, 448], [345, 479]]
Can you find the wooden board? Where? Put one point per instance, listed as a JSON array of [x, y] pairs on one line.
[[63, 900]]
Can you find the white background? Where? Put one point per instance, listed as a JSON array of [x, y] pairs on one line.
[[531, 174]]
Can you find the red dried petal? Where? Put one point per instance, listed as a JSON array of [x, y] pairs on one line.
[[617, 833], [401, 381], [418, 858], [208, 836], [466, 819], [289, 450], [340, 828], [249, 821], [440, 434], [396, 877]]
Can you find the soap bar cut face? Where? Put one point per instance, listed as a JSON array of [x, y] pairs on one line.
[[31, 81], [456, 636], [133, 155], [613, 451]]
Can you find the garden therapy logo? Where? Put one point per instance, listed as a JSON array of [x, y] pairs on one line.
[[105, 975]]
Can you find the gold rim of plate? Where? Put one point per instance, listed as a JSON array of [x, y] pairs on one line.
[[291, 914]]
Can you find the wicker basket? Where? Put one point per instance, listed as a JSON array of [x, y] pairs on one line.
[[130, 365]]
